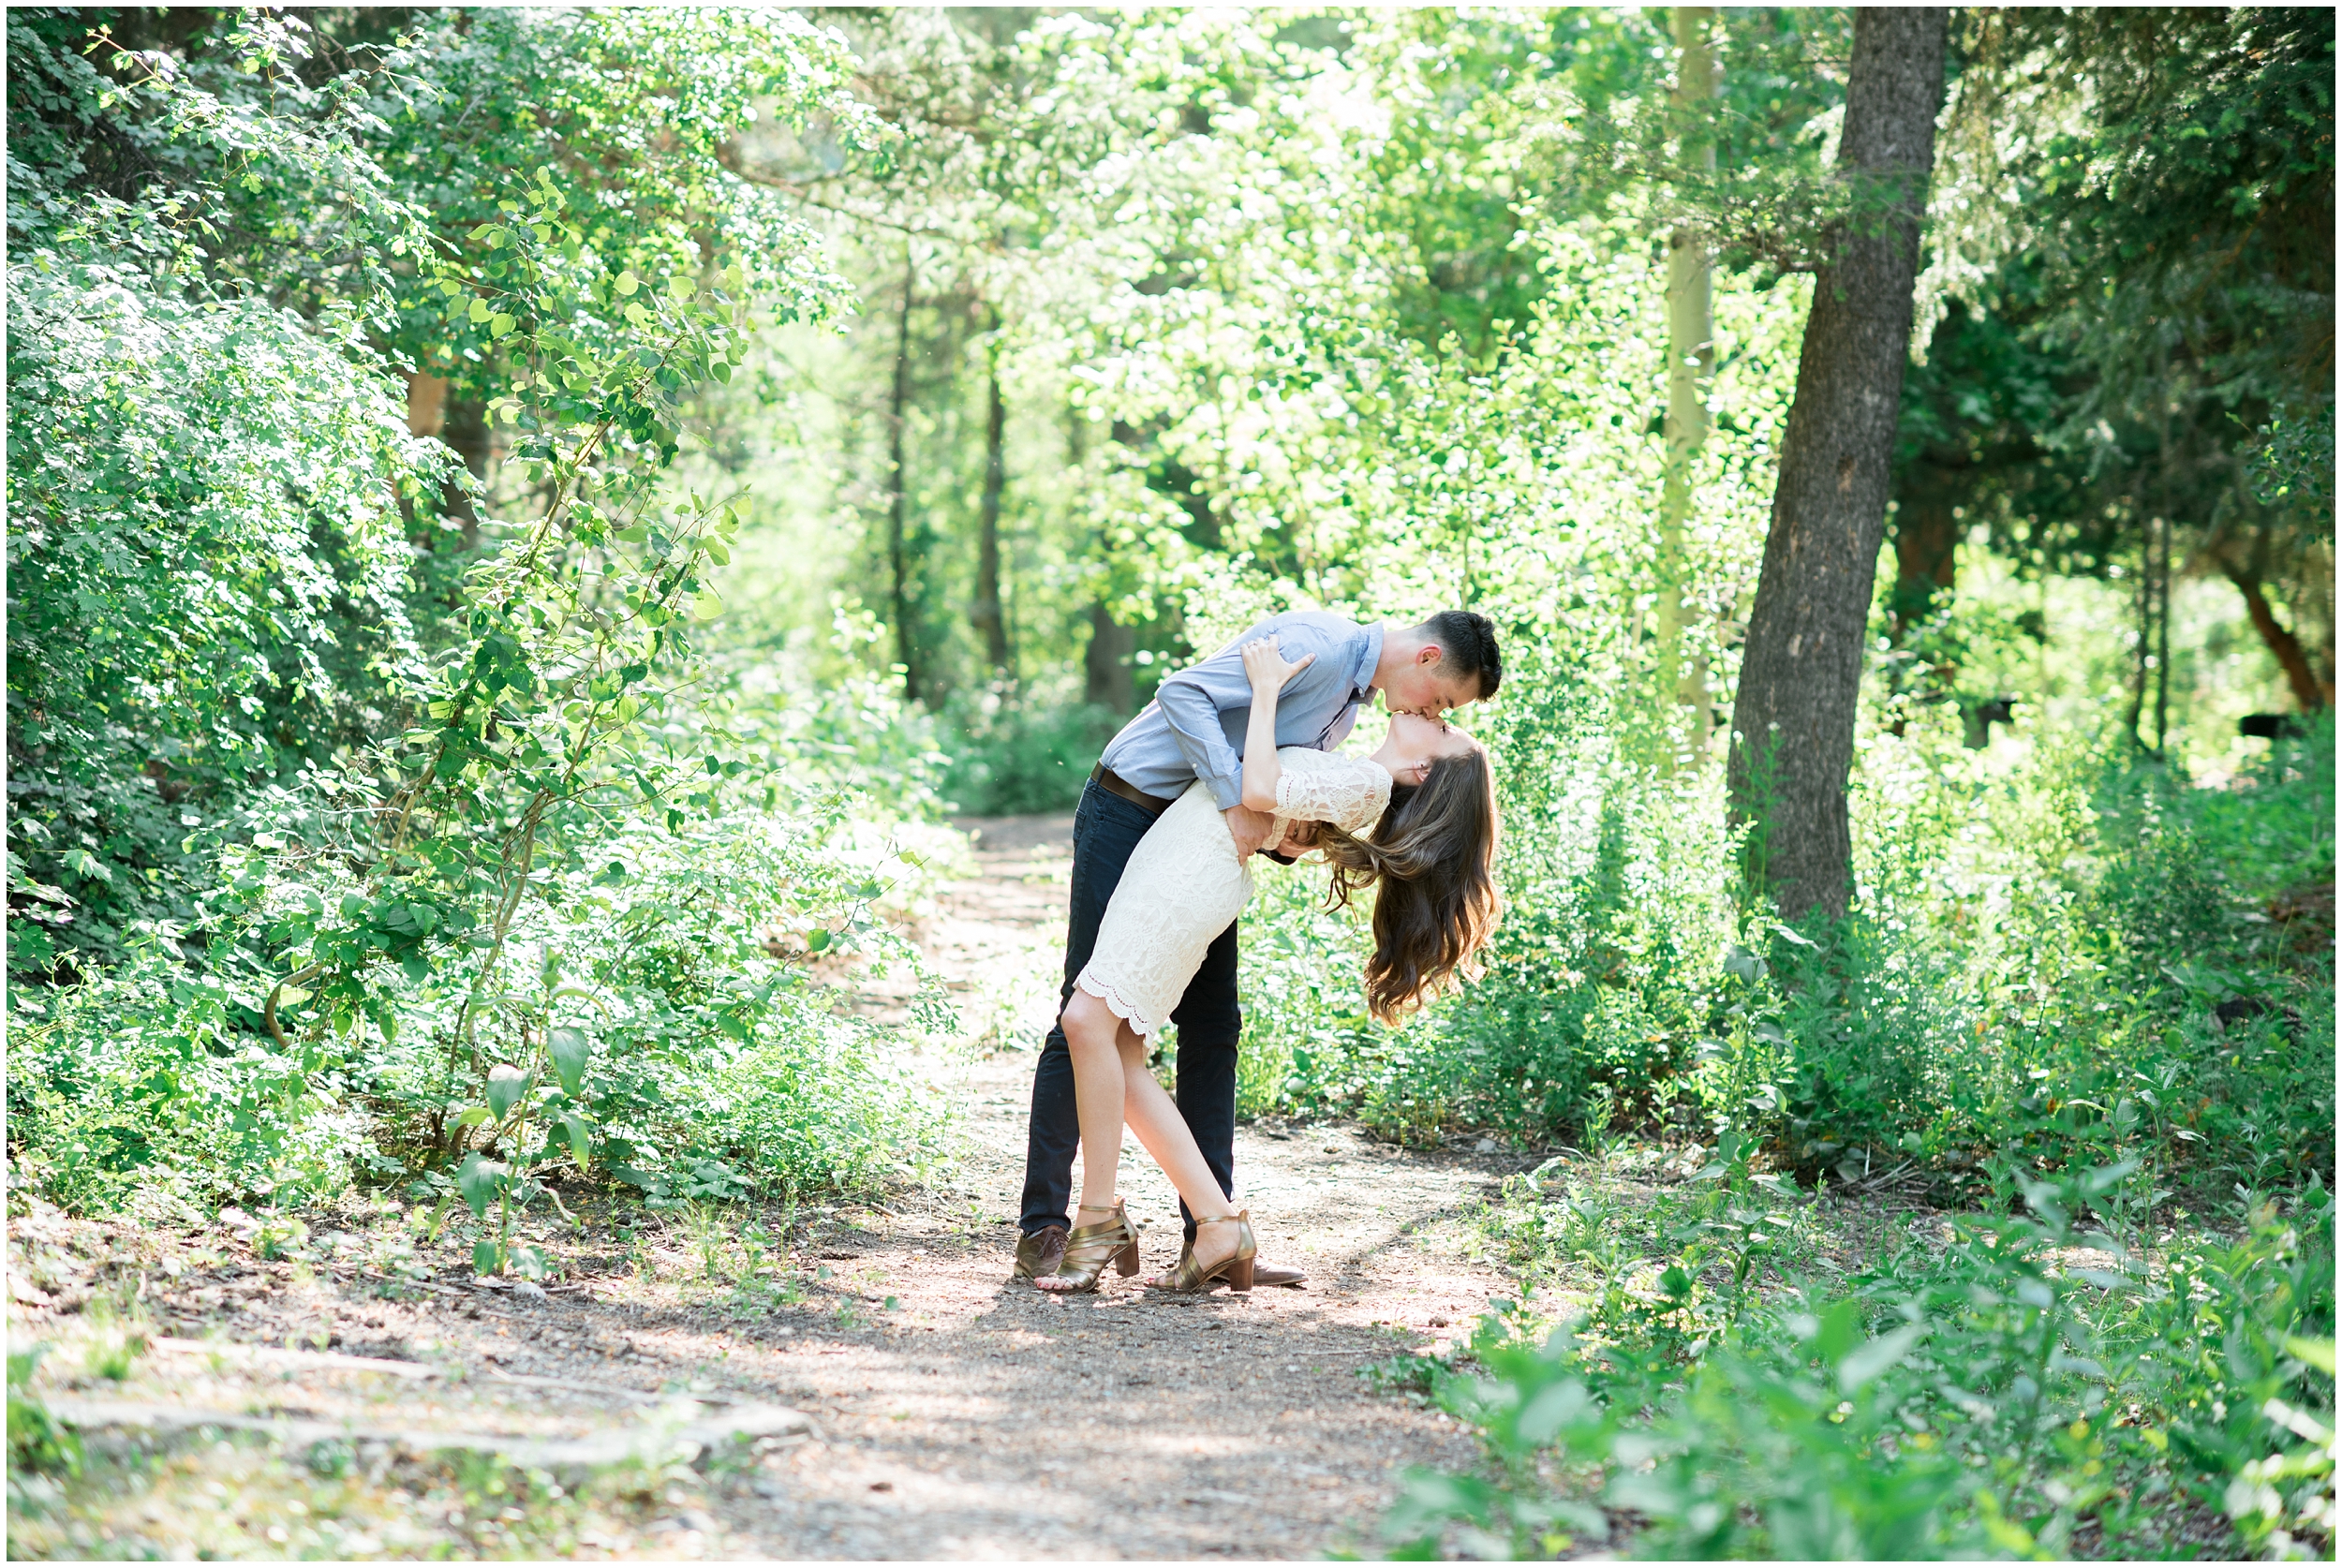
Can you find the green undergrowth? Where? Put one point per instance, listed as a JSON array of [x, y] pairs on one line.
[[1014, 749], [1706, 1376], [2055, 962], [674, 1038], [382, 824]]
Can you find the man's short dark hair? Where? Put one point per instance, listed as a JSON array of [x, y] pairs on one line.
[[1467, 645]]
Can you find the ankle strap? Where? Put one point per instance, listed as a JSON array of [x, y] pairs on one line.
[[1097, 1209]]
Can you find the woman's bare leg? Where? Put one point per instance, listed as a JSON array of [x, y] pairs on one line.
[[1154, 1115], [1110, 1082], [1092, 1030]]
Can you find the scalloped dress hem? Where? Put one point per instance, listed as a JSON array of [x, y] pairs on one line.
[[1127, 1012]]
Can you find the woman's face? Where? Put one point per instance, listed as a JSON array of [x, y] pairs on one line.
[[1415, 742]]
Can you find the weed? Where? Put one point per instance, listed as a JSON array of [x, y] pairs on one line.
[[1987, 1396], [39, 1443]]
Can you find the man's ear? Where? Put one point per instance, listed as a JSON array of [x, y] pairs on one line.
[[1430, 653]]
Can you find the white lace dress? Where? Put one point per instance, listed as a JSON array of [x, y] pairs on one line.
[[1185, 882]]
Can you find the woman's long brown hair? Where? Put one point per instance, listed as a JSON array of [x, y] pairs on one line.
[[1430, 860]]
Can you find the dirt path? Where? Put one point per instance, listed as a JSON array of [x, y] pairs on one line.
[[894, 1397]]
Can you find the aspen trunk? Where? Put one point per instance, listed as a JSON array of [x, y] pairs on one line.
[[1691, 361], [1801, 671]]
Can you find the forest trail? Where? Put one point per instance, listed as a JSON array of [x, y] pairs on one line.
[[908, 1402]]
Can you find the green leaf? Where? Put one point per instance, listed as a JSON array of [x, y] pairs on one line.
[[1868, 1360], [478, 1181], [2318, 1353], [706, 606], [486, 1257], [571, 1050], [506, 1085], [1556, 1406], [501, 324], [627, 283], [479, 313], [473, 1117], [581, 1138]]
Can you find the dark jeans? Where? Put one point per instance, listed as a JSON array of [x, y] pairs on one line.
[[1106, 828]]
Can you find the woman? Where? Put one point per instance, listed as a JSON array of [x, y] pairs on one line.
[[1429, 796]]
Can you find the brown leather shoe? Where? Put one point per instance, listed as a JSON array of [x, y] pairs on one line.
[[1291, 1278], [1040, 1253]]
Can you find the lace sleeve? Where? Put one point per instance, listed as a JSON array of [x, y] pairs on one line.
[[1348, 791]]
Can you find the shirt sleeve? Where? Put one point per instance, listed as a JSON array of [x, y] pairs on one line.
[[1351, 793], [1194, 700]]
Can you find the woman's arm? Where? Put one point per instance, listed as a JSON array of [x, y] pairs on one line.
[[1268, 671]]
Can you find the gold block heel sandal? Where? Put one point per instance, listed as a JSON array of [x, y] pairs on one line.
[[1091, 1247], [1235, 1268]]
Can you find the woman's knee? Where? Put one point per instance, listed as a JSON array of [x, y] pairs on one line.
[[1089, 1024]]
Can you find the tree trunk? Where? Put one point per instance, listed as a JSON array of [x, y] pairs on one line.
[[897, 546], [466, 429], [426, 404], [1106, 678], [2163, 636], [1691, 361], [2309, 690], [988, 614], [1928, 497], [1801, 669]]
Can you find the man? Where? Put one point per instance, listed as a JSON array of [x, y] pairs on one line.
[[1194, 729]]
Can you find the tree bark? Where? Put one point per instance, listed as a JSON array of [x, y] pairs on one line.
[[426, 404], [1802, 668], [2309, 690], [2163, 637], [987, 613], [897, 546], [1106, 678], [1691, 361], [1928, 497], [465, 428]]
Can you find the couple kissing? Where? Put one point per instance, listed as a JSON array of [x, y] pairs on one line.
[[1236, 756]]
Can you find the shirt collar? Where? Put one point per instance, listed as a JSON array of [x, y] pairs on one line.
[[1362, 679]]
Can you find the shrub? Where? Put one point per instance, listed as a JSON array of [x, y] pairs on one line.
[[2053, 963], [690, 1042], [1992, 1396], [1013, 749]]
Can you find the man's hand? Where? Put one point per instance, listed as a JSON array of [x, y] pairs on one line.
[[1248, 828], [1301, 838]]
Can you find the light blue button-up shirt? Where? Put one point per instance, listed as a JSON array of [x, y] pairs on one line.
[[1194, 728]]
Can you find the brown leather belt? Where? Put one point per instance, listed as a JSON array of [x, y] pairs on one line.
[[1106, 779]]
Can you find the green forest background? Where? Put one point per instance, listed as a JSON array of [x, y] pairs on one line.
[[525, 524]]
